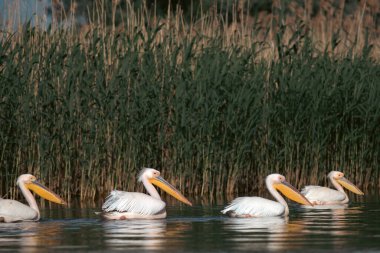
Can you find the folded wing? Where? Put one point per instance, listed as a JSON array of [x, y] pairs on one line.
[[254, 207], [133, 202], [12, 211], [319, 193]]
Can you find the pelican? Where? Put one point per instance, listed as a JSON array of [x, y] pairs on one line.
[[247, 207], [13, 211], [121, 205], [319, 195]]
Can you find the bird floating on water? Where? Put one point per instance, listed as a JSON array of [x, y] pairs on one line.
[[13, 211], [246, 207], [319, 195], [121, 205]]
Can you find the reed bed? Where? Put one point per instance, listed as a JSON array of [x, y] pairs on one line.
[[215, 111]]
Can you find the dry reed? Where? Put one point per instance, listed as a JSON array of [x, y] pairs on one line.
[[215, 104]]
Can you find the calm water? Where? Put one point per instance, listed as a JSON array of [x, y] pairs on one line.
[[201, 229]]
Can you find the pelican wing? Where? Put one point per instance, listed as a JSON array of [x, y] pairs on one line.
[[12, 211], [254, 206], [133, 202], [324, 194]]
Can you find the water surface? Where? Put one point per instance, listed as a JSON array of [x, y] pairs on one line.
[[201, 228]]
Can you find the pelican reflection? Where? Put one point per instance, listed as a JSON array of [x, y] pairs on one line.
[[30, 236], [262, 232], [333, 224], [135, 234], [272, 224]]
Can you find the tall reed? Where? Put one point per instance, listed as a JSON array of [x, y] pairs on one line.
[[85, 111]]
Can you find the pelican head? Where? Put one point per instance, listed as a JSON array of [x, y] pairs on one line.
[[32, 184], [153, 176], [339, 177], [279, 183], [148, 173]]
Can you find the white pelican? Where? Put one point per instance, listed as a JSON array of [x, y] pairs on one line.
[[120, 205], [12, 210], [319, 195], [246, 207]]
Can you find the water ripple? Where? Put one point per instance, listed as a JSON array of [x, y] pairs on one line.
[[353, 228]]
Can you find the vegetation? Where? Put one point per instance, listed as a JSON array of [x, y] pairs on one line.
[[214, 105]]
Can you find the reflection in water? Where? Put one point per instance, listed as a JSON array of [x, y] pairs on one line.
[[268, 224], [201, 229], [263, 232], [138, 234], [30, 236], [321, 207], [332, 224], [149, 235], [311, 227]]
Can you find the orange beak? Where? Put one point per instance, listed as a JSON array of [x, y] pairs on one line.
[[160, 182]]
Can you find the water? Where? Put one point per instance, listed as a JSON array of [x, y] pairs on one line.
[[201, 228]]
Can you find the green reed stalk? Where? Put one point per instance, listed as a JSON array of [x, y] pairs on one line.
[[85, 112]]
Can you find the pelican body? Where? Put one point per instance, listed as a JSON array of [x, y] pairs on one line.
[[247, 207], [121, 205], [14, 211], [319, 195]]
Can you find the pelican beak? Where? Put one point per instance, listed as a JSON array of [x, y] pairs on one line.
[[292, 193], [349, 186], [160, 182], [44, 192]]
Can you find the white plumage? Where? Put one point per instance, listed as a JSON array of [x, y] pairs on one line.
[[120, 205], [254, 207], [13, 211], [133, 202], [319, 195], [245, 207]]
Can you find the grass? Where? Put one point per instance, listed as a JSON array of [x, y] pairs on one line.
[[214, 111]]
